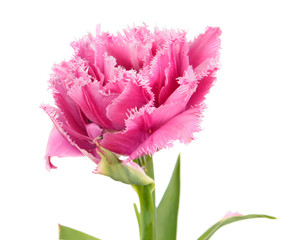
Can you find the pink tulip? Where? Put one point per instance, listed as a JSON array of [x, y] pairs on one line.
[[134, 93]]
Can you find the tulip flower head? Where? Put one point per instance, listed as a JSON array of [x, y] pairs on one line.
[[132, 93]]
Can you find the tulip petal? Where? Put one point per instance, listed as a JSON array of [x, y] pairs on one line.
[[181, 128], [93, 102], [157, 73], [93, 130], [188, 85], [148, 132], [60, 82], [124, 142], [139, 126], [131, 49], [135, 95], [82, 143], [205, 74], [58, 146], [92, 51], [178, 63], [205, 46]]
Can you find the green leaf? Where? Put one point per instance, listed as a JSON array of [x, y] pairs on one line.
[[167, 210], [66, 233], [138, 216], [207, 235], [129, 173]]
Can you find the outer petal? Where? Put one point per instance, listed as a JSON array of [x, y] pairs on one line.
[[205, 74], [126, 141], [146, 132], [58, 146], [62, 79], [82, 143], [181, 128], [206, 46], [139, 126], [92, 51]]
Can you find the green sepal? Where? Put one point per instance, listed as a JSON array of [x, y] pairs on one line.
[[207, 235], [66, 233], [167, 210], [129, 173]]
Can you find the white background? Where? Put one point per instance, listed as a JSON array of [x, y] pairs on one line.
[[241, 161]]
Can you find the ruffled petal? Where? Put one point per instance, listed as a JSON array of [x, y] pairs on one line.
[[205, 74], [205, 46], [180, 127], [82, 143], [178, 63], [58, 146], [188, 85], [147, 130], [93, 102], [157, 73], [61, 81], [126, 141], [135, 95], [132, 49], [139, 126], [92, 51]]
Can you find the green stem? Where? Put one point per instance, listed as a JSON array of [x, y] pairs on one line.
[[146, 195]]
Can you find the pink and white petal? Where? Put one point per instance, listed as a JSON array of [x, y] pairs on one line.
[[91, 50], [110, 71], [161, 37], [139, 126], [143, 131], [82, 143], [163, 114], [181, 128], [202, 89], [188, 85], [58, 146], [70, 111], [205, 46], [126, 141], [140, 38], [206, 76], [135, 95], [93, 102], [170, 85], [117, 47], [131, 48], [94, 52], [178, 64], [157, 72], [60, 82]]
